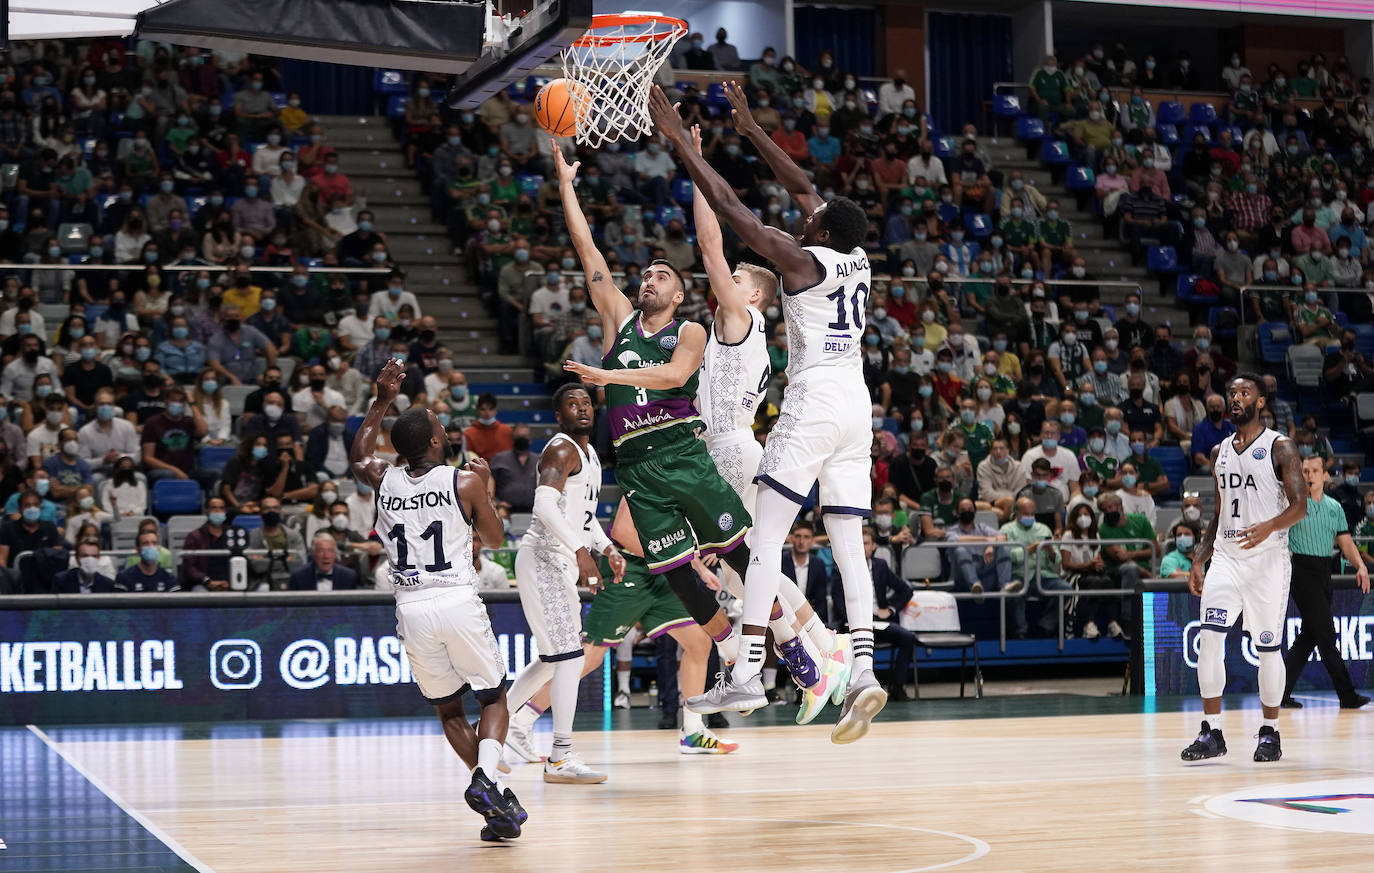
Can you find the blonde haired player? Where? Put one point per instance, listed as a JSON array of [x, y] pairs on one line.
[[427, 513], [1260, 494]]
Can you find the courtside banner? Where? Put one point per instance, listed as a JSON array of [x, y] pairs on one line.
[[1165, 657], [253, 659]]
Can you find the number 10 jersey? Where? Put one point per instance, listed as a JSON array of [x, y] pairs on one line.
[[426, 530], [825, 321]]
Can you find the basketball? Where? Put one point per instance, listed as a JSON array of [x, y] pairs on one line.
[[553, 108]]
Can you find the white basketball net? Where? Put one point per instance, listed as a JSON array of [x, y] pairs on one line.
[[609, 71]]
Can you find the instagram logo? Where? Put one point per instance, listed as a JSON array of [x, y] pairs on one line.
[[235, 665]]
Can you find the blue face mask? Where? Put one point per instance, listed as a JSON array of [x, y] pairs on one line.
[[1305, 450], [1027, 521], [1138, 448], [400, 357], [1353, 480], [259, 452], [1050, 443], [1099, 367], [1129, 480], [1068, 419], [42, 486], [365, 226], [149, 554], [217, 518], [444, 419], [143, 353], [88, 353], [1113, 427], [999, 345], [1090, 490], [1040, 484], [382, 334], [871, 339], [178, 332], [967, 416], [104, 412], [1087, 399], [175, 410], [209, 386], [32, 514], [944, 366], [1369, 510], [925, 390]]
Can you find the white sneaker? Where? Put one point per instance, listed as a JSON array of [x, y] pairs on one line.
[[1015, 586], [1090, 631], [521, 744], [976, 589], [622, 700], [1115, 632], [572, 770]]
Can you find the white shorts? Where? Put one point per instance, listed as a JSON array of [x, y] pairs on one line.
[[547, 581], [737, 456], [824, 433], [1254, 587], [449, 642]]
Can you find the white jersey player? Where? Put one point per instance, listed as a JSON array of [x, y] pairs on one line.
[[1260, 493], [554, 559], [735, 373], [427, 513], [823, 432]]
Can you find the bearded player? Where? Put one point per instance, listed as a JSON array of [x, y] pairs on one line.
[[1260, 494]]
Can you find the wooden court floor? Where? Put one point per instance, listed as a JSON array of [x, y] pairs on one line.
[[1044, 786]]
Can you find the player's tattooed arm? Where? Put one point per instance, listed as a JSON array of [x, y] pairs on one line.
[[1288, 466], [367, 467], [1202, 552], [607, 299]]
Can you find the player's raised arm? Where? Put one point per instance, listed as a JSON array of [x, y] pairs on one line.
[[608, 300], [733, 308], [686, 360], [1288, 465], [367, 467], [793, 261], [792, 177]]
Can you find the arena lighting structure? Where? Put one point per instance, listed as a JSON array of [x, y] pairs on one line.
[[463, 39]]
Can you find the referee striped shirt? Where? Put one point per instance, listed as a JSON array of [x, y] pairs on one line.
[[1316, 534]]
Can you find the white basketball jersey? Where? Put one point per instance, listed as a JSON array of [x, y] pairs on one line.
[[1250, 492], [825, 322], [733, 377], [577, 503], [426, 531]]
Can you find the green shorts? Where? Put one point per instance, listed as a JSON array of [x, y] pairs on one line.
[[640, 598], [679, 502]]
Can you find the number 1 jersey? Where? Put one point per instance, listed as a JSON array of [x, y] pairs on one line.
[[825, 321], [426, 531]]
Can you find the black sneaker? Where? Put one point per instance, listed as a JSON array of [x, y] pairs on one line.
[[485, 799], [1268, 748], [1209, 744], [716, 721], [668, 722], [1289, 703], [1355, 701], [514, 805]]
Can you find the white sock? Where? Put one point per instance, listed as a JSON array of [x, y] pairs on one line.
[[1218, 721], [1271, 723], [526, 716], [562, 747], [691, 722], [819, 634], [488, 756], [862, 640], [770, 677], [728, 644], [622, 681], [528, 682], [566, 676], [750, 660]]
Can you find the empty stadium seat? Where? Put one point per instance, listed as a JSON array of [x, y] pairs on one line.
[[1167, 133], [1305, 365], [388, 82], [176, 496], [247, 521], [1030, 129], [1055, 153], [978, 224], [1006, 106], [1079, 178], [1202, 113], [1170, 112], [215, 457], [1274, 340], [1174, 464], [1162, 260], [944, 147]]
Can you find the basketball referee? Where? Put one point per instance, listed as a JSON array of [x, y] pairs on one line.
[[1310, 541]]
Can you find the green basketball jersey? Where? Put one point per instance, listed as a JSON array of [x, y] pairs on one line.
[[638, 411]]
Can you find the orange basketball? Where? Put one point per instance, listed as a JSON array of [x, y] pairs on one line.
[[553, 108]]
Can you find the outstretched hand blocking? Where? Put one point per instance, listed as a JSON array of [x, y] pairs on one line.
[[565, 173], [589, 375], [666, 120], [744, 121]]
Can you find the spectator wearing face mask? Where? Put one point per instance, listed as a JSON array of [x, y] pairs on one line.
[[515, 472], [147, 573], [1090, 136], [487, 436], [66, 469], [90, 575], [925, 166], [1049, 89], [1210, 432], [285, 551], [1000, 477], [17, 379], [274, 421], [387, 303]]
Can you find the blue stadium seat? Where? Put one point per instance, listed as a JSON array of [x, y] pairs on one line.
[[665, 214], [1342, 319], [529, 183], [1030, 129], [390, 82], [1364, 339], [947, 212], [715, 94], [1214, 314], [1006, 106], [682, 190], [1193, 130], [279, 99], [1202, 113], [944, 147], [1170, 112], [1055, 153], [1162, 260], [354, 421], [1237, 135], [1168, 133], [396, 105], [1079, 178], [978, 224], [1274, 340], [869, 94], [176, 496], [1183, 290], [215, 457], [248, 522], [1175, 465]]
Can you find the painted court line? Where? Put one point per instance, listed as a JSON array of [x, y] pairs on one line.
[[161, 835]]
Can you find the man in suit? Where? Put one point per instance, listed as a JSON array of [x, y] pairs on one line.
[[327, 447], [85, 577], [891, 594], [323, 573]]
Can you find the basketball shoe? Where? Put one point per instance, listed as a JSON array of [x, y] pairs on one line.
[[864, 700], [834, 681], [1268, 748], [1209, 744], [485, 799], [571, 770], [703, 742], [726, 696], [519, 741]]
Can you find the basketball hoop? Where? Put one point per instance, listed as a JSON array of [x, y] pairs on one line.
[[613, 65]]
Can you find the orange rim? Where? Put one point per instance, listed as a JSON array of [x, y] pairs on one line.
[[591, 39]]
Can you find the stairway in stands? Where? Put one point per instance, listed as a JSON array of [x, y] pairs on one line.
[[1107, 259]]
